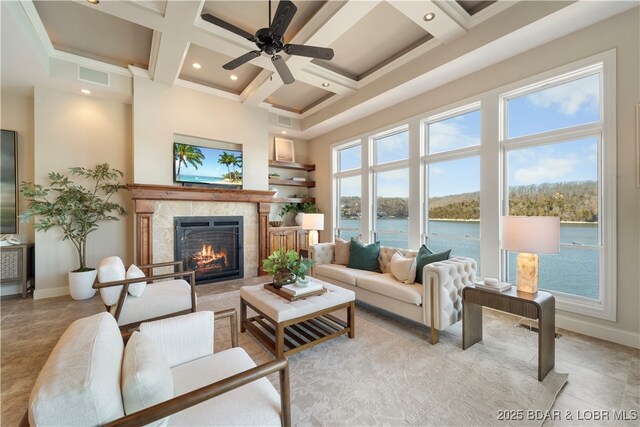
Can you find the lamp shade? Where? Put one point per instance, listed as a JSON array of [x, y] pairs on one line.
[[534, 234], [313, 221]]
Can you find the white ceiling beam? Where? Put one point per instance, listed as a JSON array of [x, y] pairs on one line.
[[332, 21], [129, 11], [443, 27], [175, 40]]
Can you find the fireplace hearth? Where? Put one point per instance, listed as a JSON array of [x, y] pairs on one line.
[[211, 246]]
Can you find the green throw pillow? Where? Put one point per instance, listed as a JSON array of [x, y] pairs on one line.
[[426, 256], [364, 257]]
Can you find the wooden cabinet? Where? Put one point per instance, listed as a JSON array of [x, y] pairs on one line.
[[283, 237], [289, 238]]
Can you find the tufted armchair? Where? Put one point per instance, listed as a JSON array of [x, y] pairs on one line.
[[436, 303]]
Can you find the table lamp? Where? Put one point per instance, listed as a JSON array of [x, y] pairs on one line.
[[530, 235], [313, 222]]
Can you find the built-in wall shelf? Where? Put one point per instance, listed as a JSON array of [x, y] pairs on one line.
[[292, 166], [292, 183], [294, 200]]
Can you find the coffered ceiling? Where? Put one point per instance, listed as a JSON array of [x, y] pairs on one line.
[[384, 50]]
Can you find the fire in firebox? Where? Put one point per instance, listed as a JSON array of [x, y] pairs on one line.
[[209, 260]]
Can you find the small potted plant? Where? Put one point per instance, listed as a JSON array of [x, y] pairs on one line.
[[76, 211], [286, 267]]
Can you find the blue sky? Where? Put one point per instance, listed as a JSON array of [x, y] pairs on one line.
[[210, 165], [569, 104]]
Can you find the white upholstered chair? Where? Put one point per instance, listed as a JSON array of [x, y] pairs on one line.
[[165, 374], [132, 298]]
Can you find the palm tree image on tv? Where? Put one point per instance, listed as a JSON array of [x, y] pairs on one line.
[[205, 165], [187, 155], [231, 161]]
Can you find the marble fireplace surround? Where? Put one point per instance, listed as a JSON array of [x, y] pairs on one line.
[[156, 205]]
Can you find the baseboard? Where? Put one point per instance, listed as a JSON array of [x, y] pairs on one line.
[[607, 333], [50, 293]]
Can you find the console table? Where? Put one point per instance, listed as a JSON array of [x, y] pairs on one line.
[[17, 266], [541, 306]]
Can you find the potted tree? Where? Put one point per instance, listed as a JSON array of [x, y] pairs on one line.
[[77, 212]]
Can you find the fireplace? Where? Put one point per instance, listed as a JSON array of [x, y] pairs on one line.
[[211, 246]]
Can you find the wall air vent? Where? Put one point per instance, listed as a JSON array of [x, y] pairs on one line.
[[284, 121], [93, 76]]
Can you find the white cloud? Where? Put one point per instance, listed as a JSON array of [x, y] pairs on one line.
[[449, 135], [547, 169], [436, 170], [592, 156], [569, 98]]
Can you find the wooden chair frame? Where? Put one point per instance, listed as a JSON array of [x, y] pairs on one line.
[[195, 397], [150, 280]]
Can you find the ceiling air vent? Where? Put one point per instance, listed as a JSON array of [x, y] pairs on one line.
[[93, 76], [284, 121]]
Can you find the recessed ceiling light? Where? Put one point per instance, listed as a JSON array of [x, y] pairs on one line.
[[196, 65], [284, 132], [325, 84], [85, 91], [429, 16], [233, 77], [94, 1]]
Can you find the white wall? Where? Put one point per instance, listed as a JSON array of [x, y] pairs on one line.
[[159, 111], [78, 130], [17, 115], [620, 32]]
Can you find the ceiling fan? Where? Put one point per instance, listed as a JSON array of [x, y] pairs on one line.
[[271, 41]]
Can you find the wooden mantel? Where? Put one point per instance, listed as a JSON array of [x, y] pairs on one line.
[[144, 195]]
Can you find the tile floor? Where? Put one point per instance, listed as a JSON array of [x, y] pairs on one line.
[[603, 377]]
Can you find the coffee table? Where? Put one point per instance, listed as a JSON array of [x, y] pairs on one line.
[[285, 327]]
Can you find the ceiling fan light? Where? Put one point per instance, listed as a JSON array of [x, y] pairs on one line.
[[429, 16]]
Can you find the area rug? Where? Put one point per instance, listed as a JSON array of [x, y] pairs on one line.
[[390, 375]]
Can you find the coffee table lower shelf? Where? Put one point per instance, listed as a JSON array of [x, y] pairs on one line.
[[291, 336]]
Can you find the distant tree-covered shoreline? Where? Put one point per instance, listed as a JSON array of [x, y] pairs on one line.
[[572, 201]]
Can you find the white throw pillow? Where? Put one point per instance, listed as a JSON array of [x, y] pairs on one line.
[[109, 270], [136, 289], [403, 268], [146, 376]]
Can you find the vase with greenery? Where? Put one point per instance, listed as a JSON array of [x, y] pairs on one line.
[[285, 267], [299, 208], [74, 209]]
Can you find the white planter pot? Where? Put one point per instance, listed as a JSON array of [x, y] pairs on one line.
[[80, 284], [298, 218]]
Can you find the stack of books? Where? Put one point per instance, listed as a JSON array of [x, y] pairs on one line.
[[498, 287], [297, 291], [299, 178]]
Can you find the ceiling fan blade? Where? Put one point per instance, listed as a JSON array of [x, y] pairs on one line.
[[232, 65], [282, 69], [282, 18], [310, 51], [227, 26]]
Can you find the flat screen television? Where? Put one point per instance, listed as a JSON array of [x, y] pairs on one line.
[[219, 167], [9, 183]]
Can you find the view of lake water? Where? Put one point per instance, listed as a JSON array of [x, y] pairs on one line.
[[582, 264]]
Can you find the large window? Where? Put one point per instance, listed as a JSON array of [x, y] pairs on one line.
[[452, 166], [553, 144], [348, 190], [391, 188], [543, 146]]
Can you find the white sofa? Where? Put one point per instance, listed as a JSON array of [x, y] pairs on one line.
[[169, 367], [437, 303]]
